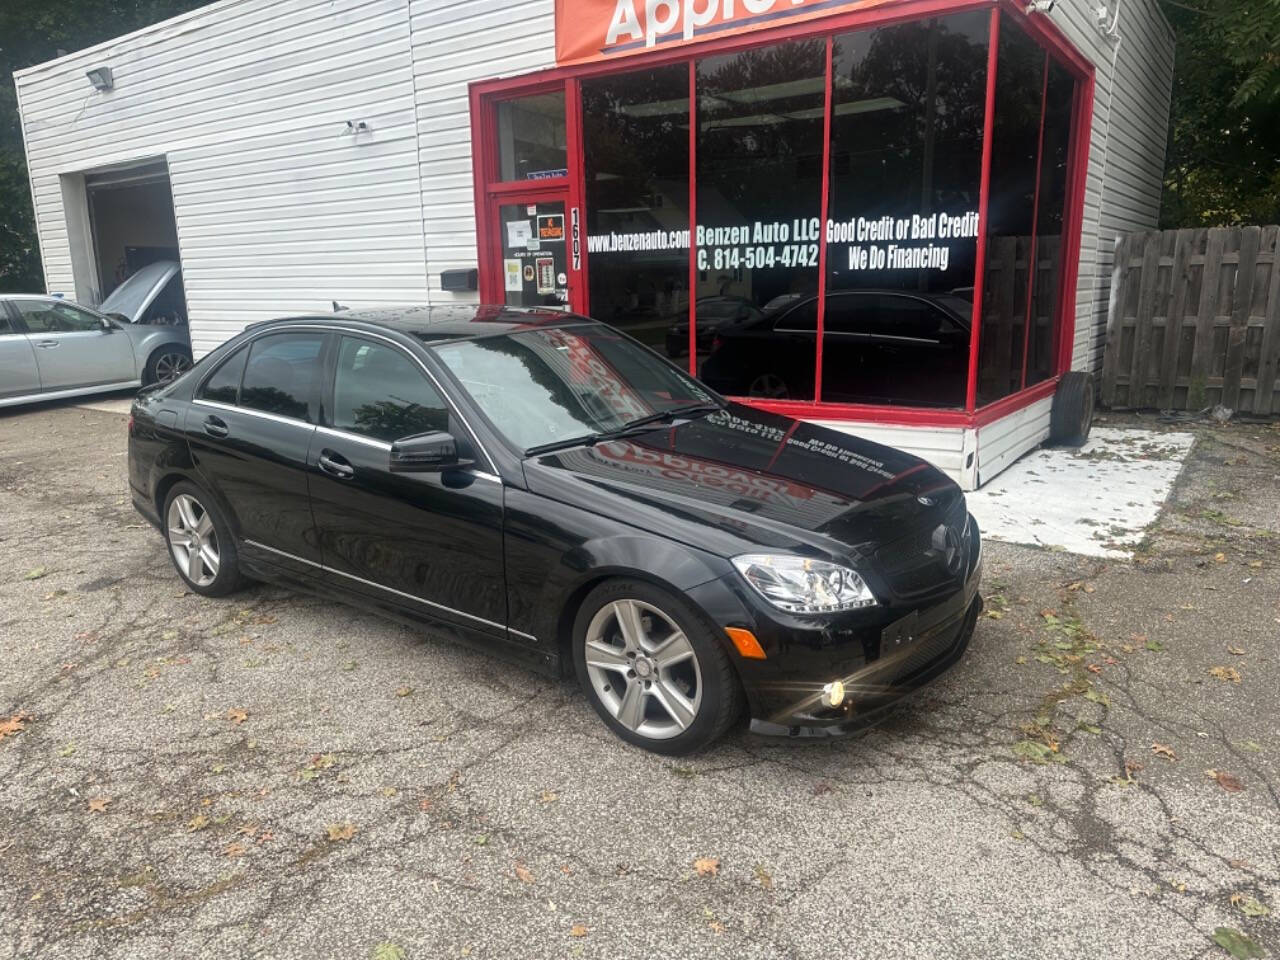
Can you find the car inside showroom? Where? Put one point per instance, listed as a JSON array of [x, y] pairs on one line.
[[896, 218]]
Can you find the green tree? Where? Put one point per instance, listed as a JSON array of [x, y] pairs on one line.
[[1223, 163], [33, 31]]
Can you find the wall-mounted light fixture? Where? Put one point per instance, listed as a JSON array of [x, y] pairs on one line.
[[353, 127], [100, 77]]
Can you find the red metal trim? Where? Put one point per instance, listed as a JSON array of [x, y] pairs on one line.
[[1013, 403], [822, 228], [503, 187], [912, 416], [693, 218], [1032, 266], [575, 161], [984, 191], [481, 151], [1050, 36]]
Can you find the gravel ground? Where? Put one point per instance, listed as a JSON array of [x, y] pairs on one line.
[[273, 775]]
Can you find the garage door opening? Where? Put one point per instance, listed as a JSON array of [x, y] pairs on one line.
[[136, 269]]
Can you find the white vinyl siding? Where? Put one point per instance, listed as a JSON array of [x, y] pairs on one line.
[[457, 42], [278, 210], [1128, 138]]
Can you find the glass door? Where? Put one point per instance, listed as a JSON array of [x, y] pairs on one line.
[[533, 245]]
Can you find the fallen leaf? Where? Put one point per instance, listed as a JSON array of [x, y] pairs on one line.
[[1228, 782], [1237, 944], [36, 573], [237, 716], [236, 849], [763, 877], [822, 787], [340, 831], [1093, 668], [1250, 906], [424, 804], [717, 927], [1219, 558], [1236, 651], [98, 804], [547, 797], [388, 951], [388, 791], [577, 930], [67, 750], [1163, 750], [481, 840], [404, 691], [707, 866], [198, 822], [523, 873], [1225, 674], [14, 725]]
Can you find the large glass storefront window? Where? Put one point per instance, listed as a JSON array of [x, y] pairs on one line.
[[907, 108], [759, 206], [636, 151]]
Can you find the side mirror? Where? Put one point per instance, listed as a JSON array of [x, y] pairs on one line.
[[426, 453], [107, 325]]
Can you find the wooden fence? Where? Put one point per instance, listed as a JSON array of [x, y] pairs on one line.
[[1194, 321]]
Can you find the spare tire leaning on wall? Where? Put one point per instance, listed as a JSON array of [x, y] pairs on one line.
[[1072, 414]]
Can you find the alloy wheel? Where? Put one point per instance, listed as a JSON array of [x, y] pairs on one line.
[[643, 669], [193, 540], [171, 365]]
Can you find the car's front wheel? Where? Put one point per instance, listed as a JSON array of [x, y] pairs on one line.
[[167, 363], [200, 543], [653, 669]]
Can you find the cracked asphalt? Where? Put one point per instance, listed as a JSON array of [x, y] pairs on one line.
[[273, 775]]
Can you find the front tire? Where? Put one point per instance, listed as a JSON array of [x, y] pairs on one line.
[[200, 543], [652, 668], [167, 363]]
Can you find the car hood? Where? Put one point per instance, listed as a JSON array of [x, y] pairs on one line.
[[132, 297], [742, 479]]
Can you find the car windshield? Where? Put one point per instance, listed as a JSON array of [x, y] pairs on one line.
[[556, 387]]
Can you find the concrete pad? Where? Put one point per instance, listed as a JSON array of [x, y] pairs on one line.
[[1097, 501]]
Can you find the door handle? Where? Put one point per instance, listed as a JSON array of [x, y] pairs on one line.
[[336, 465], [46, 344], [216, 426]]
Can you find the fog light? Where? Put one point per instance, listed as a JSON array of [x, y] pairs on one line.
[[833, 694]]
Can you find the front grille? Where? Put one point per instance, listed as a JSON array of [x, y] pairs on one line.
[[916, 565]]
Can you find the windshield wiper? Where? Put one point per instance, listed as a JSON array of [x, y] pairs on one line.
[[633, 426]]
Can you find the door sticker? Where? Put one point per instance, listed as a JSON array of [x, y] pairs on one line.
[[528, 273], [546, 275], [519, 232], [551, 227], [511, 272]]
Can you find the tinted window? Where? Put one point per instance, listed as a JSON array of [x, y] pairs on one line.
[[803, 317], [379, 392], [281, 372], [224, 385], [49, 316], [531, 137], [5, 325]]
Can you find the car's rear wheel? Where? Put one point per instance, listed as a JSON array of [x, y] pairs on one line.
[[652, 668], [167, 363], [200, 543]]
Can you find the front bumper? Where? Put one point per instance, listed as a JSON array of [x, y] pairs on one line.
[[858, 648]]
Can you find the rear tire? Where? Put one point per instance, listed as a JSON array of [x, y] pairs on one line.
[[200, 543], [1072, 415], [167, 363], [651, 665]]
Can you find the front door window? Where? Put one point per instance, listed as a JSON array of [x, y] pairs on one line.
[[535, 263]]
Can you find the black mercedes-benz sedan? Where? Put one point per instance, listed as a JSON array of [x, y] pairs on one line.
[[543, 486]]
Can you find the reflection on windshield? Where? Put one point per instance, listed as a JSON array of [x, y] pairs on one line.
[[546, 386]]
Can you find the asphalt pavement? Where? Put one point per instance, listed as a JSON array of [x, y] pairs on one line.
[[274, 775]]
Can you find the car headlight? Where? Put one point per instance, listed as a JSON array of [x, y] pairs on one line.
[[802, 585]]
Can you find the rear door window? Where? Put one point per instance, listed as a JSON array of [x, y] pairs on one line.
[[379, 392], [224, 385], [281, 374]]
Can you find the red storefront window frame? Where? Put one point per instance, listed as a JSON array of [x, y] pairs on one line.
[[487, 94]]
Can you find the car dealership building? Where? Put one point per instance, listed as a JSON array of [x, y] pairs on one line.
[[800, 200]]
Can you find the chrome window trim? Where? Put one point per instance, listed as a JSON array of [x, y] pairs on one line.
[[356, 437], [355, 332], [398, 593], [277, 417], [521, 633]]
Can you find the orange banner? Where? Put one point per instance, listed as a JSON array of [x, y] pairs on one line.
[[603, 29]]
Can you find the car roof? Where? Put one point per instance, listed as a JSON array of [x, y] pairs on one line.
[[439, 323]]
